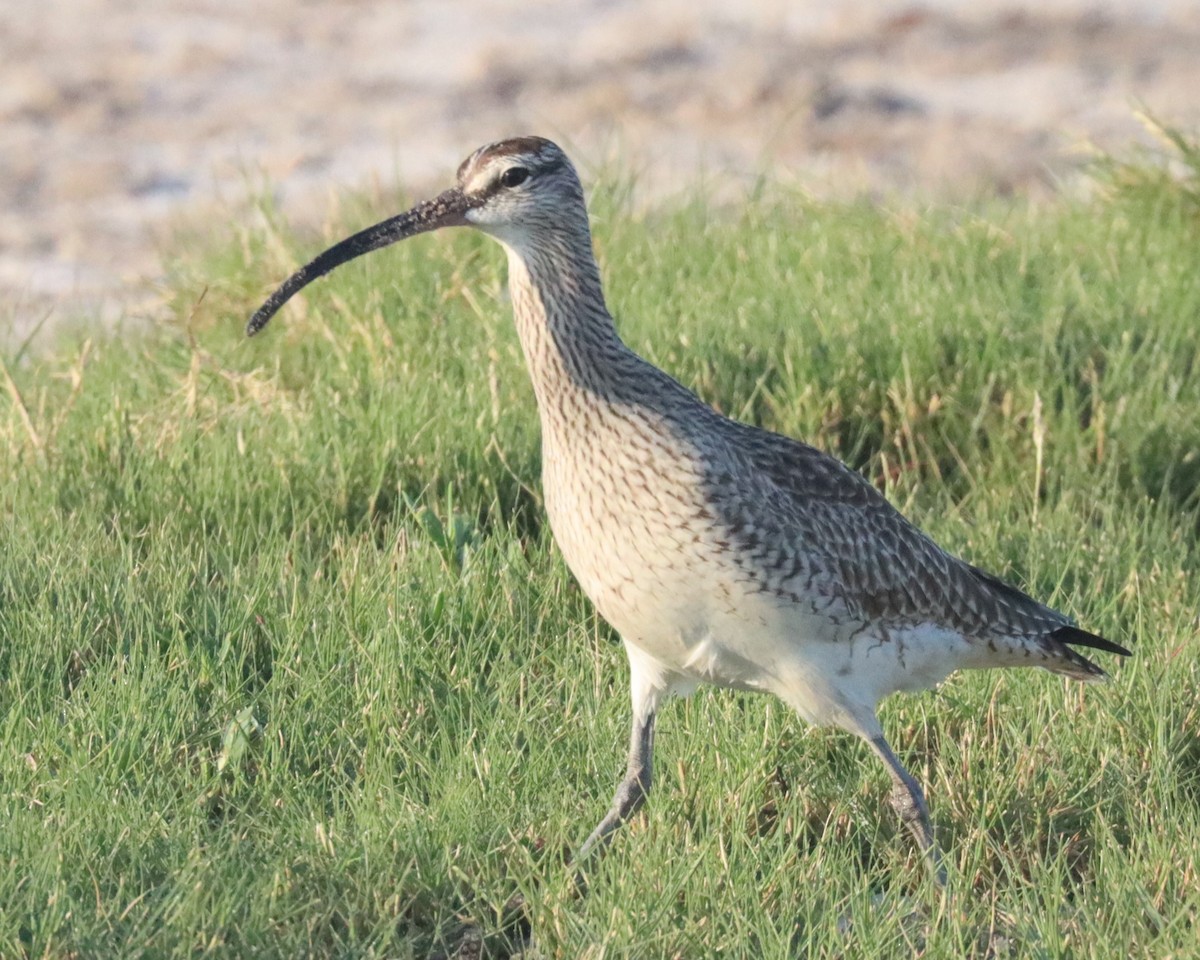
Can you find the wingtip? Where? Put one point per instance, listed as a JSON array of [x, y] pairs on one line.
[[1081, 638]]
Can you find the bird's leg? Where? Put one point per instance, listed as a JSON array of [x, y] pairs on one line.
[[909, 803], [648, 684], [632, 790]]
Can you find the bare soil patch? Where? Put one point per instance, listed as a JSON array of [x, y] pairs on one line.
[[117, 119]]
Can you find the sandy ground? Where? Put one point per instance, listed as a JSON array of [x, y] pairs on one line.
[[119, 117]]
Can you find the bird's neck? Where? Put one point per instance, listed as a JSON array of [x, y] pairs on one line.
[[567, 334]]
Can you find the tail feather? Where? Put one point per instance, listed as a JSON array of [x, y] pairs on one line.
[[1047, 630], [1071, 663]]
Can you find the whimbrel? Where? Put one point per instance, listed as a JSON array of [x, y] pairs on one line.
[[721, 553]]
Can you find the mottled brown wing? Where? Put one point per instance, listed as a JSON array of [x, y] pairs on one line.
[[884, 567]]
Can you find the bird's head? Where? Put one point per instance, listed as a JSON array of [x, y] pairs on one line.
[[511, 189], [515, 188]]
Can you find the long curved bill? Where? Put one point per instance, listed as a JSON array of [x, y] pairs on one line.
[[445, 210]]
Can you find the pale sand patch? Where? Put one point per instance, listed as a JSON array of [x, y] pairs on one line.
[[118, 118]]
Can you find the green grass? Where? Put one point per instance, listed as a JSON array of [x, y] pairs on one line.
[[289, 665]]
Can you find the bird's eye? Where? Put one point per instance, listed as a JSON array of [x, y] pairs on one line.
[[514, 176]]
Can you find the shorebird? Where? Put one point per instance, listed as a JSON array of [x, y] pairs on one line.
[[721, 553]]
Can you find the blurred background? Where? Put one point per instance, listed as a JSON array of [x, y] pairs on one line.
[[120, 120]]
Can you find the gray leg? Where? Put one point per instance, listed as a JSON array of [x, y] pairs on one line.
[[633, 790], [909, 803], [649, 682]]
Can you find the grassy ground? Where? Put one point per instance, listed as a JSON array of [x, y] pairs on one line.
[[289, 665]]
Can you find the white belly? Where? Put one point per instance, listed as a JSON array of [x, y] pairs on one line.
[[705, 622]]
